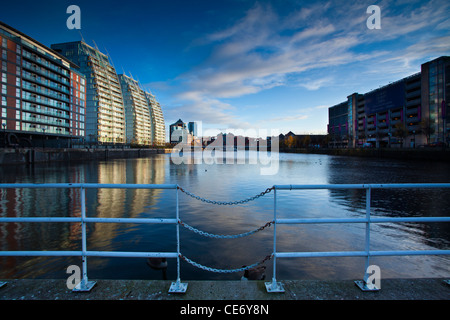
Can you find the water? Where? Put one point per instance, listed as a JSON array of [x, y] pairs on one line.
[[226, 182]]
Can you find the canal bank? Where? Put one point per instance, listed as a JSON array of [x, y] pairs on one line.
[[28, 155], [14, 156], [420, 154], [391, 289]]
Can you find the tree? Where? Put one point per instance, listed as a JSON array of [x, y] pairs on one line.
[[426, 129], [290, 142], [306, 141], [400, 131]]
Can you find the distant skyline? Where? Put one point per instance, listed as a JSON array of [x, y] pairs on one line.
[[241, 64]]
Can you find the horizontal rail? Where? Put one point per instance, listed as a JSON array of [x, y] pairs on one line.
[[87, 185], [92, 220], [39, 219], [361, 220], [359, 253], [131, 220], [363, 186], [116, 254]]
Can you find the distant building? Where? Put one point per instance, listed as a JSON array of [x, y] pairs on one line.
[[43, 96], [192, 128], [105, 116], [179, 132], [406, 113], [158, 125], [138, 122]]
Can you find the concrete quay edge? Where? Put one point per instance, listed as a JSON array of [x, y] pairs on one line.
[[391, 289]]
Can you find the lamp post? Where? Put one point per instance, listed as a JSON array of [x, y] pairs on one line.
[[43, 141], [4, 134]]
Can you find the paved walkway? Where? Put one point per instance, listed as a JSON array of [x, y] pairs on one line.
[[391, 289]]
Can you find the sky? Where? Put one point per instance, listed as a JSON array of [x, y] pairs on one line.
[[255, 68]]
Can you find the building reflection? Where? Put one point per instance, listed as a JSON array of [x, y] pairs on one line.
[[122, 203], [393, 202], [52, 202]]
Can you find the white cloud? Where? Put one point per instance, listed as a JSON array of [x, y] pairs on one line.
[[263, 50], [315, 84]]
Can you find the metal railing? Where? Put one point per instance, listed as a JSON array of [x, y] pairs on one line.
[[275, 286], [178, 286], [85, 284]]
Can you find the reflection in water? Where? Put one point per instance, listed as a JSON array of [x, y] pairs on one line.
[[226, 182]]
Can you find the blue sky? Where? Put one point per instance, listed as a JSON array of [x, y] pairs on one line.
[[249, 65]]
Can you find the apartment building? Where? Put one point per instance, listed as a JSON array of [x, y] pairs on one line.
[[105, 115], [158, 125], [409, 112], [137, 112], [43, 94]]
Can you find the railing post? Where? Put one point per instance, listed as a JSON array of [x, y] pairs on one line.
[[178, 287], [84, 285], [363, 285], [274, 286]]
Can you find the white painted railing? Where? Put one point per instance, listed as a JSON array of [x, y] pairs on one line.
[[275, 286], [178, 286]]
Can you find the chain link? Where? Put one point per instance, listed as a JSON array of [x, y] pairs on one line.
[[229, 203], [207, 234], [200, 266], [218, 236]]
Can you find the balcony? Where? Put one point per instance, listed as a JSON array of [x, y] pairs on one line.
[[38, 119], [45, 73], [413, 102], [33, 77], [34, 108], [46, 92], [48, 102], [35, 58]]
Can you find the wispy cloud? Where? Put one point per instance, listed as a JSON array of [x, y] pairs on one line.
[[264, 50]]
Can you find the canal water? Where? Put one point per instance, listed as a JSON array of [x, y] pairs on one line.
[[226, 182]]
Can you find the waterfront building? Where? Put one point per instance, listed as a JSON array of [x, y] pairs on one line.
[[436, 96], [105, 112], [179, 132], [138, 121], [43, 96], [192, 128], [407, 113], [158, 126]]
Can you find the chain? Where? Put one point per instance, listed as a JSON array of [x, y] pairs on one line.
[[198, 265], [206, 234], [217, 236], [230, 203]]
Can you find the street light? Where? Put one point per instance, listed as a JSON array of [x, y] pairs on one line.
[[43, 141], [4, 134]]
